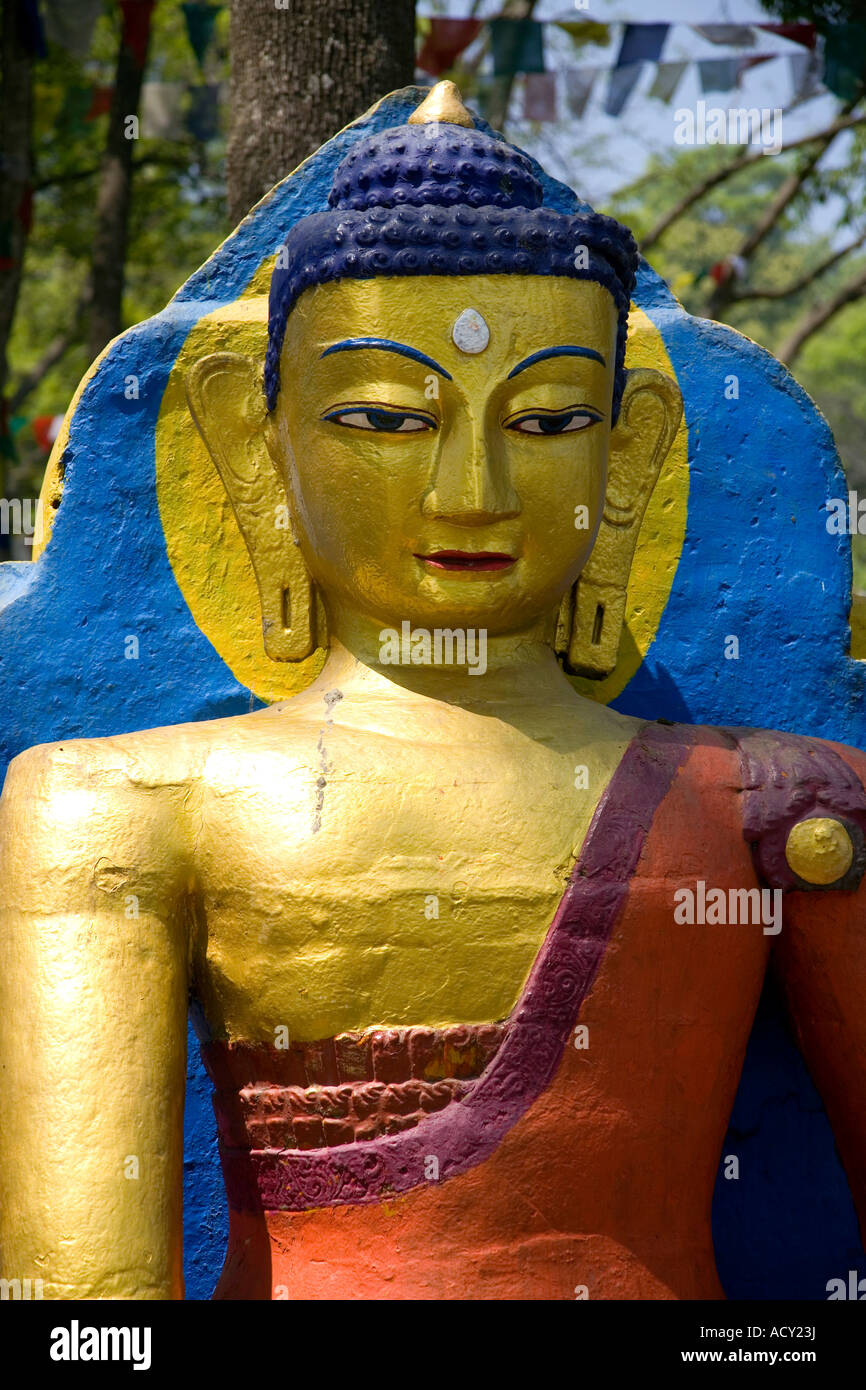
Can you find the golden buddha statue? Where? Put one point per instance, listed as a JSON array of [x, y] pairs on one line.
[[464, 1044]]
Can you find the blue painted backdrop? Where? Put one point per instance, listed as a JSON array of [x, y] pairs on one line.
[[757, 561]]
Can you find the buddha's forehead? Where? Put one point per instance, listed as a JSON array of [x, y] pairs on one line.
[[511, 315]]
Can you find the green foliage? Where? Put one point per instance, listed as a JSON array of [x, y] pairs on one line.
[[830, 366], [178, 213], [821, 13]]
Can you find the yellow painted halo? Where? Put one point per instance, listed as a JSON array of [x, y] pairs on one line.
[[210, 560]]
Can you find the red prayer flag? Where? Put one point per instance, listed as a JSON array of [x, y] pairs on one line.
[[45, 430], [100, 102], [446, 41], [806, 34], [136, 27]]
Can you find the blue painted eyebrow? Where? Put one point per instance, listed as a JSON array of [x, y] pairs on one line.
[[388, 345], [564, 350]]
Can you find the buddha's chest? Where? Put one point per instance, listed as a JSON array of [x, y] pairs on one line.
[[352, 881]]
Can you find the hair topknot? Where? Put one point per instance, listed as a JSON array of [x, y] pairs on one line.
[[442, 199], [416, 165]]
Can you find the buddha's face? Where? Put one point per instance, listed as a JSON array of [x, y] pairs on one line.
[[439, 485]]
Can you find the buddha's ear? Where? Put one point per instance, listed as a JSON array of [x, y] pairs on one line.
[[226, 402], [649, 417]]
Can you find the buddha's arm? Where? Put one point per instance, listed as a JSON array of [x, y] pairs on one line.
[[93, 996], [821, 955]]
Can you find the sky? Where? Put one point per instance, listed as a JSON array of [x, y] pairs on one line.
[[600, 154]]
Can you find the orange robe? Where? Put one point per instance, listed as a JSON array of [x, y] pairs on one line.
[[573, 1151]]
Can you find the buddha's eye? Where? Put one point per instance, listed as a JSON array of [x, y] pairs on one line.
[[378, 418], [550, 422]]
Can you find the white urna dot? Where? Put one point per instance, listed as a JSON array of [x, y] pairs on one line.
[[470, 332]]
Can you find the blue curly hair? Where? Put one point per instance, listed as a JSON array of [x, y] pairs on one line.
[[441, 199]]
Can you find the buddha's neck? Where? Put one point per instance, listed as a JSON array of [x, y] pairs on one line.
[[512, 667]]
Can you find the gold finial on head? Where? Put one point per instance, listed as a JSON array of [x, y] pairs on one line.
[[442, 103]]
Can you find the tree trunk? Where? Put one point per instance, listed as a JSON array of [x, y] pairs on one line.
[[115, 181], [301, 70], [16, 185]]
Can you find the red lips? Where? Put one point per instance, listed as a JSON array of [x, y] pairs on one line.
[[472, 560]]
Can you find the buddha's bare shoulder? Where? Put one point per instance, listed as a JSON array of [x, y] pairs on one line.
[[171, 758], [129, 800], [151, 758]]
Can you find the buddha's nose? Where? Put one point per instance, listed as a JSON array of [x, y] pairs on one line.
[[471, 483]]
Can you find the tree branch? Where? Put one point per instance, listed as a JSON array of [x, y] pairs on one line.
[[743, 161], [56, 349], [78, 175], [805, 280], [821, 314], [785, 195], [723, 293]]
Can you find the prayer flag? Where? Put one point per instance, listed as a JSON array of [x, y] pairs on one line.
[[641, 43], [100, 102], [160, 110], [805, 70], [136, 27], [584, 31], [77, 101], [731, 35], [45, 430], [806, 34], [578, 88], [517, 46], [539, 96], [200, 20], [620, 87], [70, 23], [718, 74], [447, 39], [202, 118], [667, 79]]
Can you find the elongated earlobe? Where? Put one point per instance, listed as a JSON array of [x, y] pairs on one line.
[[225, 399], [592, 612]]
